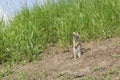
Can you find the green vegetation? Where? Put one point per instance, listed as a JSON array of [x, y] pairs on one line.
[[43, 74], [95, 68], [89, 78], [31, 30], [61, 74], [6, 71]]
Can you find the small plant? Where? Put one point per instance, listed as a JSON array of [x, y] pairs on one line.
[[61, 74], [43, 73], [112, 70], [6, 71], [22, 75], [95, 68], [106, 77], [89, 78]]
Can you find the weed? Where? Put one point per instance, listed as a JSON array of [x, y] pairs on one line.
[[6, 71], [61, 74], [22, 75], [95, 68], [89, 78], [43, 73], [107, 77], [112, 70]]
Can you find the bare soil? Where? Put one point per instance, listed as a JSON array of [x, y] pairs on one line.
[[100, 60]]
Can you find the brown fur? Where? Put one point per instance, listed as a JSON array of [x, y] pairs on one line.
[[76, 45]]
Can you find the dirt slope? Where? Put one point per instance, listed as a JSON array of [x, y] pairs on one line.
[[100, 61]]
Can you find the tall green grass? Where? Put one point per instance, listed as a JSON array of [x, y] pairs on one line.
[[31, 30]]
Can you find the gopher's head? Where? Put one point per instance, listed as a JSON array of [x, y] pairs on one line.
[[75, 34]]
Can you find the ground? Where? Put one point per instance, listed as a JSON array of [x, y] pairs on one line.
[[100, 61]]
